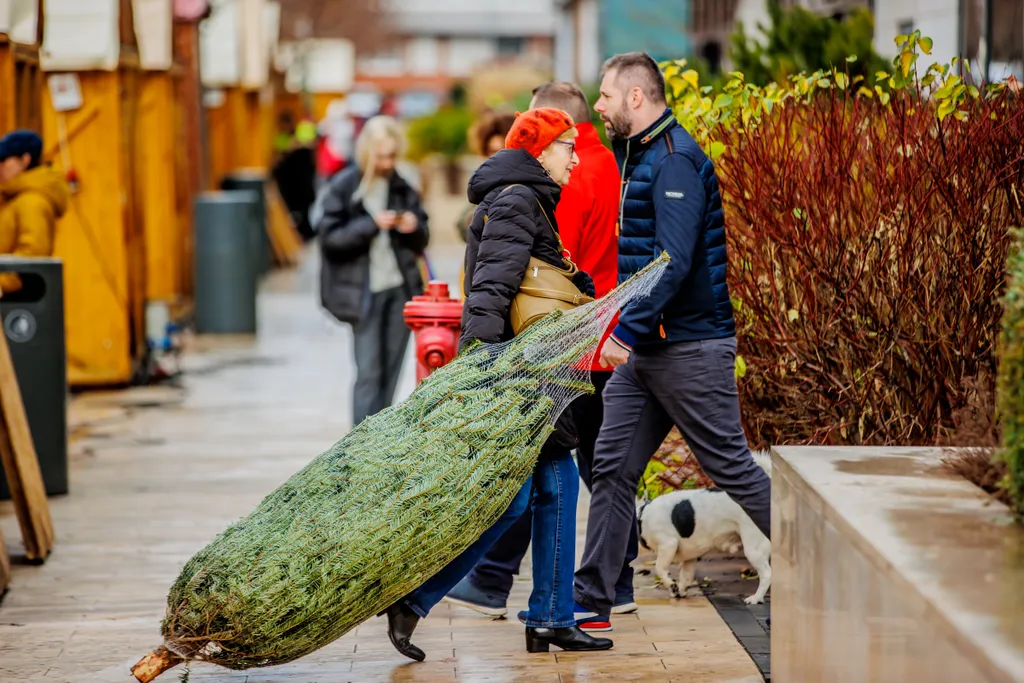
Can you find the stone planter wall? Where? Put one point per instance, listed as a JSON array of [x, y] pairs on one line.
[[887, 569]]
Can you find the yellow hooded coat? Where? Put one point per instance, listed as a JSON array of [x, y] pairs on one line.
[[30, 205]]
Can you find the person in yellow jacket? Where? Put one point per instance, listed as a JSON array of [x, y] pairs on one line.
[[32, 198]]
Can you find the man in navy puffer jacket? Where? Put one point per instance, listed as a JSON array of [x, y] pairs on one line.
[[674, 352]]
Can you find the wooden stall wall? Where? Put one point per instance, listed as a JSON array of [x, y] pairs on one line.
[[21, 86], [102, 237], [156, 135], [189, 159]]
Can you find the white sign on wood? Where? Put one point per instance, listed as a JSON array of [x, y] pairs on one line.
[[65, 91]]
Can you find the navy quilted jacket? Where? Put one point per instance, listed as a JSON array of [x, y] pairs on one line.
[[671, 202]]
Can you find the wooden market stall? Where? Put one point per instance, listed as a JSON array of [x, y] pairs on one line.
[[158, 144], [189, 167], [21, 80], [90, 123], [236, 43], [330, 71], [316, 73]]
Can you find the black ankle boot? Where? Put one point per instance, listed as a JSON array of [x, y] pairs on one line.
[[402, 622], [572, 639]]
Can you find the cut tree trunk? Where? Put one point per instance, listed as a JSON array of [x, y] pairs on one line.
[[154, 664]]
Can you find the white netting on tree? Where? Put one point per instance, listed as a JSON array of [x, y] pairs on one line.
[[389, 505]]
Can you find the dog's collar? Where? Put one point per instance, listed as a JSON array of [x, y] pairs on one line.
[[640, 525]]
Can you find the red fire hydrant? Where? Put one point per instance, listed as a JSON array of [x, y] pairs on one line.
[[436, 320]]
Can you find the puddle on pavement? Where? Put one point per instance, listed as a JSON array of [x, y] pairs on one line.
[[946, 493], [910, 465], [981, 565], [214, 366]]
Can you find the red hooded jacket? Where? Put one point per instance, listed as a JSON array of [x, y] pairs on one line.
[[586, 215]]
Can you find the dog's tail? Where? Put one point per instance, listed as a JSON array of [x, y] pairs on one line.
[[764, 461]]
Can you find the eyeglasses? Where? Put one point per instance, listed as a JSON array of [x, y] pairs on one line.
[[570, 145]]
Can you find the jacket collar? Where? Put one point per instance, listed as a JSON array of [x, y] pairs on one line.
[[44, 180], [548, 191], [513, 167], [649, 135]]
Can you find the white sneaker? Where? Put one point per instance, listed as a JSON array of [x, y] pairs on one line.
[[625, 608]]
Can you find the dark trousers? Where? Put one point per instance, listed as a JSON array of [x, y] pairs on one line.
[[693, 386], [551, 493], [380, 342], [493, 573]]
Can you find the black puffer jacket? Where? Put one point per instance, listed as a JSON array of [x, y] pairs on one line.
[[346, 231], [518, 198], [499, 250]]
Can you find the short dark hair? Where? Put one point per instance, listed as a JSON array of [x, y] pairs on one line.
[[21, 142], [641, 71], [495, 123], [565, 96]]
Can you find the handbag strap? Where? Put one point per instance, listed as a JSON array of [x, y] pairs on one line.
[[572, 267], [574, 299]]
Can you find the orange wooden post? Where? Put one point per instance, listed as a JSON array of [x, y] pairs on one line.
[[101, 239], [5, 565], [157, 152], [190, 166], [21, 80]]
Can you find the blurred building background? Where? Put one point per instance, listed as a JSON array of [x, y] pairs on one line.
[[144, 104]]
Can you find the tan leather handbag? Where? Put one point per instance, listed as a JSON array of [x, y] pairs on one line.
[[545, 287]]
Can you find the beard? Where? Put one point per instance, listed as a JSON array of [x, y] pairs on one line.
[[617, 125]]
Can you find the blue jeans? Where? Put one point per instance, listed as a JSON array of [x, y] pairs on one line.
[[551, 495], [493, 573]]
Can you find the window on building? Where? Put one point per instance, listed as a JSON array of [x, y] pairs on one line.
[[972, 22], [1007, 39], [385, 61], [510, 46], [993, 39], [905, 28], [466, 54], [422, 56], [712, 54]]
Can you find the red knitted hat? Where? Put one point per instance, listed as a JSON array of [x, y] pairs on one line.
[[536, 129]]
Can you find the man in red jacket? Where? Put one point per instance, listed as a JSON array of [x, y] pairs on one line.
[[586, 214]]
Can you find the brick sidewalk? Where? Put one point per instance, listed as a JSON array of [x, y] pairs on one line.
[[156, 473]]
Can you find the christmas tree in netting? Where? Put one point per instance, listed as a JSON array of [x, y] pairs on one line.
[[389, 505]]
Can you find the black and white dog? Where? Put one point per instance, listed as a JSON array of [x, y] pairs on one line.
[[684, 525]]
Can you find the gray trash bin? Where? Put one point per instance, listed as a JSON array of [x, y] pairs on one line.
[[254, 180], [33, 320], [225, 276]]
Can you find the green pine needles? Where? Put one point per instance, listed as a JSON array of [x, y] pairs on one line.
[[390, 504]]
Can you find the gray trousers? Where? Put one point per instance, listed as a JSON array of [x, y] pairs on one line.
[[380, 343], [693, 386]]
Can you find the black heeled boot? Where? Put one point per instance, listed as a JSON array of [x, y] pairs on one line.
[[402, 622], [572, 639]]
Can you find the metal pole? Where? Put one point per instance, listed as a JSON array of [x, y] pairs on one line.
[[988, 40], [961, 40]]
